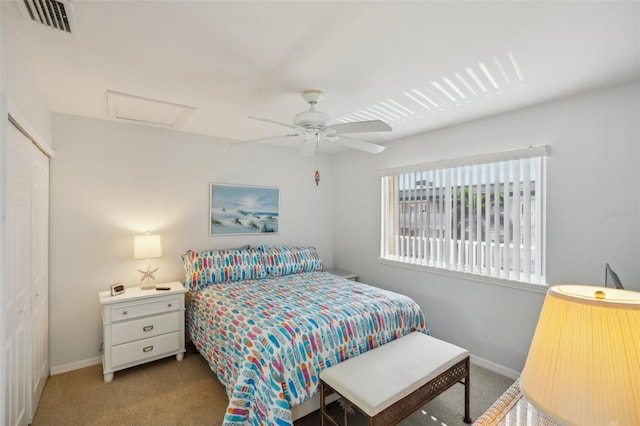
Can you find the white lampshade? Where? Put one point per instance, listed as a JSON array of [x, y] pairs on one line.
[[146, 246], [583, 366]]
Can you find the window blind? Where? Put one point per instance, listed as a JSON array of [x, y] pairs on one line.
[[481, 215]]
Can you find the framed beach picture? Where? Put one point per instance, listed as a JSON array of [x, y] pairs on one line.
[[236, 209]]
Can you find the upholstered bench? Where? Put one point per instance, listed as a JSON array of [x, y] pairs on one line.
[[388, 383]]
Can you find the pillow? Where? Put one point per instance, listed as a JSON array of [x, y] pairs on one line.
[[285, 260], [219, 266]]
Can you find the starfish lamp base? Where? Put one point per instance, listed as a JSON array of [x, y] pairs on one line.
[[148, 275]]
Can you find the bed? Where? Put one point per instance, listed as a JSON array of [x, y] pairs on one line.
[[269, 319]]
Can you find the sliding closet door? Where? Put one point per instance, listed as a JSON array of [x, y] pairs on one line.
[[39, 291], [26, 291], [16, 288]]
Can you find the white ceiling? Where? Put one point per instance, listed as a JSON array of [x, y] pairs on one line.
[[229, 60]]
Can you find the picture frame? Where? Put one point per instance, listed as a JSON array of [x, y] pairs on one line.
[[241, 210]]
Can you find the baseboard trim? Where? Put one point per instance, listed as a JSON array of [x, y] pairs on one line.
[[480, 362], [75, 365], [496, 368]]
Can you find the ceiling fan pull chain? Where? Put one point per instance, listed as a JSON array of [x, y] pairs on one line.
[[317, 174]]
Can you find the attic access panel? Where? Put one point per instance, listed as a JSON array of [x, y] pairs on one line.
[[123, 106]]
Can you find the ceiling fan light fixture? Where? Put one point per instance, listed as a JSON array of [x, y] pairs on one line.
[[312, 118]]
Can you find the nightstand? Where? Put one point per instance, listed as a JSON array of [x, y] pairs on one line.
[[141, 326], [344, 274]]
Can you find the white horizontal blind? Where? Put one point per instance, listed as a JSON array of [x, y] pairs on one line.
[[479, 217]]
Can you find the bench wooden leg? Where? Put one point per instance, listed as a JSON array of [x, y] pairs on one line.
[[467, 394], [326, 390], [321, 404]]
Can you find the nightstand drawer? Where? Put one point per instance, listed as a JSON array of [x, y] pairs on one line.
[[144, 328], [145, 349], [134, 310]]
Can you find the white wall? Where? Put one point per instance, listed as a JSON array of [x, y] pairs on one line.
[[111, 181], [20, 89], [593, 214]]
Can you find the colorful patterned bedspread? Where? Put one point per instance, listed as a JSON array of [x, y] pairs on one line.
[[267, 340]]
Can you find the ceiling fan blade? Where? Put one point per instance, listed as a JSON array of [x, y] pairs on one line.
[[302, 130], [267, 138], [361, 127], [362, 145]]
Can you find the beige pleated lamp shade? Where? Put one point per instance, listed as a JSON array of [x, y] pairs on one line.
[[583, 366]]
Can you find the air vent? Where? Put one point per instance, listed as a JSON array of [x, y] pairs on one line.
[[55, 14]]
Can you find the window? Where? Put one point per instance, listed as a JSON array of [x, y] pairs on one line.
[[482, 215]]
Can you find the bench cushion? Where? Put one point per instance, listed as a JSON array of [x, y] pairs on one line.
[[382, 376]]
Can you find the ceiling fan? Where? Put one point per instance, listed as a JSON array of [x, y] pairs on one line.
[[312, 126]]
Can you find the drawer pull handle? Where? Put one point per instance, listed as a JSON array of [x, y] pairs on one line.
[[147, 328], [124, 313], [147, 348], [169, 305]]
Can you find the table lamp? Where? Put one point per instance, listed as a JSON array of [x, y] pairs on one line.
[[147, 246], [583, 366]]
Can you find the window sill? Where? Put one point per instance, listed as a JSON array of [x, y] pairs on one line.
[[501, 282]]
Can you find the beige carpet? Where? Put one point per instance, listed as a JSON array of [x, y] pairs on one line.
[[167, 392]]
